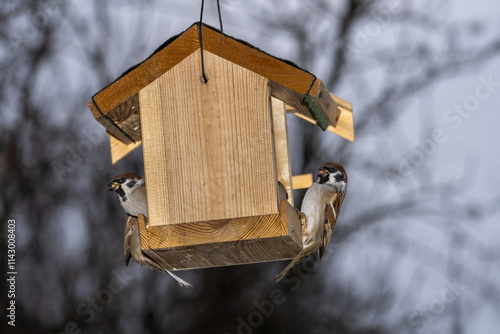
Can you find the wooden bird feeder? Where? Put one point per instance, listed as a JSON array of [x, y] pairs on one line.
[[214, 152]]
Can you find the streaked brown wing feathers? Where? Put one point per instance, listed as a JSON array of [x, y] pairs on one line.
[[126, 243], [331, 215]]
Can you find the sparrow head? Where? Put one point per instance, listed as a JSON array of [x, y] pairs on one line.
[[125, 183], [333, 174]]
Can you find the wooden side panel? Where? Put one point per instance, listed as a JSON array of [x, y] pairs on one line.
[[227, 242], [208, 149], [155, 152], [119, 150], [280, 132]]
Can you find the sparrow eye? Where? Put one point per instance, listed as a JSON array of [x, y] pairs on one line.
[[331, 170], [122, 180]]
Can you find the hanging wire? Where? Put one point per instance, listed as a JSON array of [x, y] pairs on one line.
[[220, 16], [204, 78]]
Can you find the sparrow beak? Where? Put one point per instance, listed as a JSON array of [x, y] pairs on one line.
[[113, 186], [323, 172]]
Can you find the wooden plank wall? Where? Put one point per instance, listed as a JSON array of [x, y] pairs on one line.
[[208, 149], [280, 132]]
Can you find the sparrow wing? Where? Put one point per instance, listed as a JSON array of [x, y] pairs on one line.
[[328, 228], [331, 214], [131, 221], [337, 203]]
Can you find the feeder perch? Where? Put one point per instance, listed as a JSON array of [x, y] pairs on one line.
[[214, 152]]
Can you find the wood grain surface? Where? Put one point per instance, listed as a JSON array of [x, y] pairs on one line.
[[225, 242], [208, 148]]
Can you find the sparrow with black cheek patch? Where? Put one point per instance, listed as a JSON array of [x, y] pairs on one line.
[[321, 207], [131, 190]]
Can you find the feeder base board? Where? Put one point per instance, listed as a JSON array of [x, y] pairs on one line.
[[225, 242]]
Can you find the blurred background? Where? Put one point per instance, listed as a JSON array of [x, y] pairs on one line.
[[416, 248]]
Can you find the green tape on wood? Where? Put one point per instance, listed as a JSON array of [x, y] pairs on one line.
[[318, 116]]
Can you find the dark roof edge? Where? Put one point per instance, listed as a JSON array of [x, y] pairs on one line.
[[171, 39]]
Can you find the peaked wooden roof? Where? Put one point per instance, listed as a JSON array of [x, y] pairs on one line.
[[116, 106]]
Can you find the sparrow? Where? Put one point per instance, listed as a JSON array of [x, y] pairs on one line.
[[321, 207], [131, 191]]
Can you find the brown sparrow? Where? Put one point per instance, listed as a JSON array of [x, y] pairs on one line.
[[131, 190], [321, 206]]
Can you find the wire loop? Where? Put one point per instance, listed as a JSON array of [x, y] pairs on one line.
[[203, 77]]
